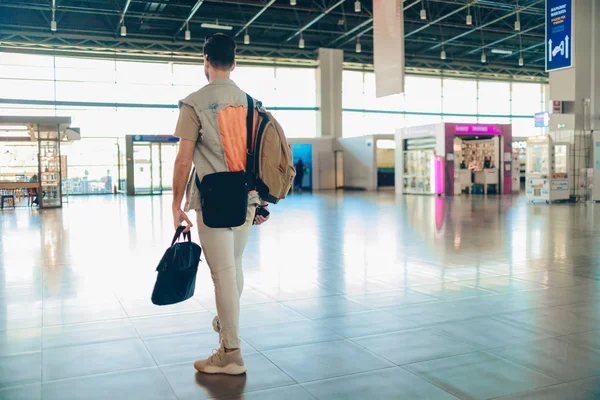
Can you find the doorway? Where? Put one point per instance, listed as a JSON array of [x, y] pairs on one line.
[[303, 151], [150, 166]]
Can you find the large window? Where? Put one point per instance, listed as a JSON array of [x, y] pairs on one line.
[[429, 100], [114, 98], [494, 98], [526, 98], [423, 94], [459, 97]]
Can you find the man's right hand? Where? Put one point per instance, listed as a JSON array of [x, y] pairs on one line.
[[179, 217]]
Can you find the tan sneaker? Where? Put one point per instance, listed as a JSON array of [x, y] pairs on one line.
[[220, 362]]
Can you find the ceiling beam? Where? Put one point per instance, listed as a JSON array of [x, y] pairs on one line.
[[505, 38], [351, 31], [526, 49], [315, 20], [123, 14], [190, 16], [478, 28], [370, 28], [443, 17], [258, 14]]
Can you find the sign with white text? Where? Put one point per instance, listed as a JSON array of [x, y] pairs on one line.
[[559, 36]]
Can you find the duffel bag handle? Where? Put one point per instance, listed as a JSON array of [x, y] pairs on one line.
[[178, 232]]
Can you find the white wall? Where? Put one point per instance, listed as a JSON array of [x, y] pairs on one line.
[[360, 170], [323, 167]]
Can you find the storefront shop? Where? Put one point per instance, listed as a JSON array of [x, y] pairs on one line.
[[451, 159], [32, 168]]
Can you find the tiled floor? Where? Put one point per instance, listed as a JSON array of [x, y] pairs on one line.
[[348, 296]]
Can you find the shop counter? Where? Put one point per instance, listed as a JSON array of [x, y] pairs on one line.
[[486, 177], [11, 192]]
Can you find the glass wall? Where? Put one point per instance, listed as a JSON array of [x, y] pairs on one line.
[[110, 98], [429, 100]]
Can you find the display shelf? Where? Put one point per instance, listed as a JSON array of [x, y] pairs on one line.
[[50, 171]]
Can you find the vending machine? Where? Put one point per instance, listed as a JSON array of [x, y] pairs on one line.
[[547, 170]]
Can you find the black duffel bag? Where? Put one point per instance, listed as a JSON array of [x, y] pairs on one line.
[[177, 270]]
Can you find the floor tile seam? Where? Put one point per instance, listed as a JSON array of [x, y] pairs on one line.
[[345, 375], [465, 319], [549, 332], [43, 328], [452, 393], [524, 365], [135, 318], [148, 350], [263, 390], [70, 378], [548, 286], [83, 322], [172, 335], [92, 343], [577, 343], [42, 337], [341, 339], [528, 391], [329, 316], [277, 366]]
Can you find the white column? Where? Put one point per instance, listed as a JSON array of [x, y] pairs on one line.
[[329, 92]]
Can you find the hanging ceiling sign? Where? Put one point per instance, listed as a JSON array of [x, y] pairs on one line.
[[388, 46], [559, 35]]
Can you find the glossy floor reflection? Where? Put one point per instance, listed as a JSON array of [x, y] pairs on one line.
[[348, 296]]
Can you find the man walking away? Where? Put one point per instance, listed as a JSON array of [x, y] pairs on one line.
[[212, 129]]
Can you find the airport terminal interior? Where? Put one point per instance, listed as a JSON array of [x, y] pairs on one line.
[[441, 241]]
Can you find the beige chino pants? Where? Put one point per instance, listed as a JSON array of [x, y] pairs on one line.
[[223, 249]]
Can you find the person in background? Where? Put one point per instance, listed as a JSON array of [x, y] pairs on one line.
[[487, 162], [463, 165], [300, 168], [34, 191], [108, 182]]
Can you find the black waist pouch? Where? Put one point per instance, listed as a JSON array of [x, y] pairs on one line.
[[224, 198]]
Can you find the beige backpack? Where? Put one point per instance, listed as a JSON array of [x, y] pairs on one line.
[[274, 165]]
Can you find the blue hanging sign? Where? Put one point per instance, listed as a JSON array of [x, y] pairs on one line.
[[155, 138], [559, 37], [542, 119]]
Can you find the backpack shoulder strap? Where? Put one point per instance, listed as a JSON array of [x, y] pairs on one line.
[[250, 145]]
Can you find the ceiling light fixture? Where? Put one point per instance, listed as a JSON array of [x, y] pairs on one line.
[[246, 38], [469, 16], [292, 2], [216, 26], [358, 46], [483, 58], [188, 34], [423, 13], [357, 7], [521, 61], [518, 21], [53, 26], [443, 54], [123, 30], [502, 51], [301, 42]]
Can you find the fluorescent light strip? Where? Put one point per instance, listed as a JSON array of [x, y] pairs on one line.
[[216, 26]]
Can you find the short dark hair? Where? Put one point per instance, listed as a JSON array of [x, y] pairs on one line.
[[219, 50]]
